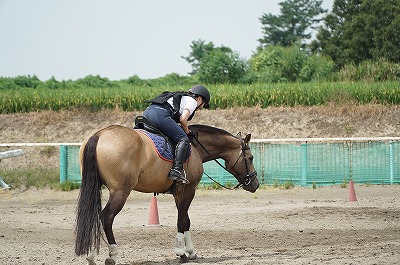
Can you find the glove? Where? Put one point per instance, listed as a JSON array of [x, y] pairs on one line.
[[192, 135]]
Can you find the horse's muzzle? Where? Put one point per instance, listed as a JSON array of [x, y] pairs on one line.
[[251, 183]]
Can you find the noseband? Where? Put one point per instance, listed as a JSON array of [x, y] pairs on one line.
[[246, 179]]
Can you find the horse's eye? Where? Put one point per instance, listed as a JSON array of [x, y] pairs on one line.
[[251, 158]]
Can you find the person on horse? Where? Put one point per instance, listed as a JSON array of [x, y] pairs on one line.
[[170, 113]]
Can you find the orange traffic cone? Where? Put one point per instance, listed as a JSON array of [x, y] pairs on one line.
[[153, 217], [352, 193]]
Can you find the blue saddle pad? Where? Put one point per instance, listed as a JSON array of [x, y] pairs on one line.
[[164, 150]]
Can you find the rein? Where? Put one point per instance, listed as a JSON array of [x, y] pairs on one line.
[[249, 177]]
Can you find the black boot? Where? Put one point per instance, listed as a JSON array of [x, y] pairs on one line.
[[177, 173]]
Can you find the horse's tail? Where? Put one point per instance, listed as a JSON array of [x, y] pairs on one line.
[[88, 222]]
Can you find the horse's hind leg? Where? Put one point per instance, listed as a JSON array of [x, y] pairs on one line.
[[90, 258], [114, 205]]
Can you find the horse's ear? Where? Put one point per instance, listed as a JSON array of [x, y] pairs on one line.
[[247, 138], [239, 135]]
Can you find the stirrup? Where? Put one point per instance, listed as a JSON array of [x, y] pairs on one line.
[[178, 176]]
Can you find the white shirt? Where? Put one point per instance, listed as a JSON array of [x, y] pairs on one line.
[[187, 102]]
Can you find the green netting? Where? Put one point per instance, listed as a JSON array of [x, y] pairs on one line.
[[69, 164], [302, 164]]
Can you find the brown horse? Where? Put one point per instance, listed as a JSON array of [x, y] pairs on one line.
[[124, 159]]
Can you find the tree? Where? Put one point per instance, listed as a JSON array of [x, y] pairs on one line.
[[290, 64], [359, 30], [222, 67], [27, 81], [199, 50], [294, 23]]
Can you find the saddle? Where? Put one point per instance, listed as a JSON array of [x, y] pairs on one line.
[[142, 123]]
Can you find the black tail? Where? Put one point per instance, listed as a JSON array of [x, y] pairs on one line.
[[88, 224]]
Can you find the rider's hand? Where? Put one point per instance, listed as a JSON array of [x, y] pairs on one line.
[[192, 135]]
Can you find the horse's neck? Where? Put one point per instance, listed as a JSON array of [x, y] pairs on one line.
[[217, 147]]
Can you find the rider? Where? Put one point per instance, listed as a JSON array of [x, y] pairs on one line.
[[171, 108]]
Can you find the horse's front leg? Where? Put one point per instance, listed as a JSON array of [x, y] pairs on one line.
[[183, 243]]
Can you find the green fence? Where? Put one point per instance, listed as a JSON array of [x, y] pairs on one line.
[[302, 162]]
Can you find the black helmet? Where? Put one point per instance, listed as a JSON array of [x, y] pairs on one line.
[[201, 91]]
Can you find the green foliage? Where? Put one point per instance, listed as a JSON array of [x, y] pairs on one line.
[[222, 67], [36, 177], [95, 81], [293, 24], [316, 68], [19, 81], [344, 183], [357, 30], [128, 98], [314, 185], [288, 185], [370, 71], [52, 83], [290, 64], [173, 79], [278, 64], [7, 83], [136, 81], [69, 185], [199, 50]]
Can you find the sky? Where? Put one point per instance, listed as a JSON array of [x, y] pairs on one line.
[[117, 39]]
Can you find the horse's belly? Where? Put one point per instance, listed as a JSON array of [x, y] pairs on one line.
[[154, 177]]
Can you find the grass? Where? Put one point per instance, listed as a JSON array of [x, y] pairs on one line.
[[130, 98], [344, 183], [36, 178]]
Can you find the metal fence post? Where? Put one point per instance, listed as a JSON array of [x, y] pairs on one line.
[[351, 161], [391, 163], [63, 163], [304, 164]]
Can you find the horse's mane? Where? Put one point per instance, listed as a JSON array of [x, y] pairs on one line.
[[209, 129]]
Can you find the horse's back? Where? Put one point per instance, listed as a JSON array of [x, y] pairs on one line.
[[127, 160]]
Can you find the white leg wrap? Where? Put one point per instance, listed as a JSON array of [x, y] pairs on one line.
[[188, 241], [180, 248], [90, 258], [113, 251]]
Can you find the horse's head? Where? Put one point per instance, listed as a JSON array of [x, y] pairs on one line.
[[242, 167], [213, 143]]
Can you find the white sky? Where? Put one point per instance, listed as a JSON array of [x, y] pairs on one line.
[[70, 39]]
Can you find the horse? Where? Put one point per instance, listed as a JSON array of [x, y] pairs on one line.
[[124, 159]]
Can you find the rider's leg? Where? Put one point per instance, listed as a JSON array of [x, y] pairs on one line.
[[161, 117], [181, 153]]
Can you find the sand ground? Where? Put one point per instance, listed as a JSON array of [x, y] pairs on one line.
[[271, 226]]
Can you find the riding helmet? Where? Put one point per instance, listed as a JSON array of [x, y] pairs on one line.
[[201, 91]]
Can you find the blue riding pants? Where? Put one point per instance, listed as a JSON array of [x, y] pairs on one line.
[[161, 117]]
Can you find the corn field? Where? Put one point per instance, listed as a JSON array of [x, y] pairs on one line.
[[223, 96]]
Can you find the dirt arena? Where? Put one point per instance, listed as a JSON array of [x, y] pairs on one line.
[[271, 226]]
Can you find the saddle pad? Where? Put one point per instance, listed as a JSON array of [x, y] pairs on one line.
[[164, 150]]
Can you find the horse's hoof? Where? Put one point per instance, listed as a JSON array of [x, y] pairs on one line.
[[91, 262], [184, 259], [110, 261], [193, 256]]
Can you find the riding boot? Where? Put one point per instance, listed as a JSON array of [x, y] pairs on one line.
[[177, 173]]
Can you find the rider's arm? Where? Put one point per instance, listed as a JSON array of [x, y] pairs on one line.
[[183, 120]]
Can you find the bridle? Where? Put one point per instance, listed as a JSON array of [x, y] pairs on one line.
[[244, 180]]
